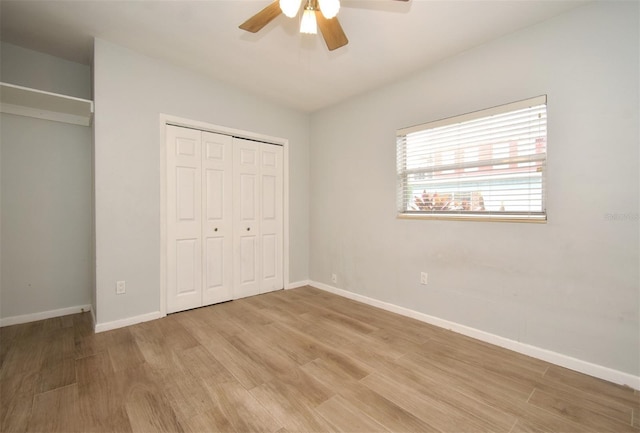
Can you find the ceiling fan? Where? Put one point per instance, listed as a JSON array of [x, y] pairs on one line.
[[316, 13]]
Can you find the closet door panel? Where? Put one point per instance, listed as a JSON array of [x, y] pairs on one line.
[[246, 219], [269, 256], [217, 164], [215, 263], [271, 219], [187, 266], [248, 254], [215, 195], [184, 220]]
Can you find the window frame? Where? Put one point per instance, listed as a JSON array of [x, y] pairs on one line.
[[462, 166]]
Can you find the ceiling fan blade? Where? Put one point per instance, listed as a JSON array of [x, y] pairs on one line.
[[332, 32], [262, 18]]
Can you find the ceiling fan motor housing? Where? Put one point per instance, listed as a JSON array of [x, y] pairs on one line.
[[325, 18]]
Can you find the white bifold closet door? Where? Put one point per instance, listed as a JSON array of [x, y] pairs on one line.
[[224, 218], [257, 240]]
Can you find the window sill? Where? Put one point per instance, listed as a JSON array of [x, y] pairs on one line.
[[474, 217]]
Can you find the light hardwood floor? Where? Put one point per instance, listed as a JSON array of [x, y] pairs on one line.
[[290, 361]]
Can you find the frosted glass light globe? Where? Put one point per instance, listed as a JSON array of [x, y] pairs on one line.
[[290, 7], [308, 23], [329, 8]]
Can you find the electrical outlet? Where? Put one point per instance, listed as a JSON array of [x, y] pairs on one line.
[[423, 278], [121, 288], [334, 278]]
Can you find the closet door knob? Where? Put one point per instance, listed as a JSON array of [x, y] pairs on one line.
[[216, 229], [248, 228]]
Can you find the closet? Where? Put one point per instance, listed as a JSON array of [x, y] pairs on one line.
[[224, 218]]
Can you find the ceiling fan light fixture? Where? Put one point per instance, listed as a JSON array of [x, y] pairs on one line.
[[329, 8], [308, 23], [290, 7]]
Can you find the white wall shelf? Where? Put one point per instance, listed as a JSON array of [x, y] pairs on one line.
[[24, 101]]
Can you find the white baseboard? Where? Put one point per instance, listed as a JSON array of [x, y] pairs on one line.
[[297, 284], [26, 318], [569, 362], [108, 326]]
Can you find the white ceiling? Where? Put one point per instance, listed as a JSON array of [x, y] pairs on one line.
[[387, 39]]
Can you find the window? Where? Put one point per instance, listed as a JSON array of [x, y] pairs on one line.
[[489, 164]]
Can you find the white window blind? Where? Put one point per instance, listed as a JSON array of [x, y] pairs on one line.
[[489, 164]]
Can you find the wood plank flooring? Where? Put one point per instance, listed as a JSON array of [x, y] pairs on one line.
[[300, 360]]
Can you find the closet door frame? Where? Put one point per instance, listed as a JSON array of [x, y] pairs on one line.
[[165, 120]]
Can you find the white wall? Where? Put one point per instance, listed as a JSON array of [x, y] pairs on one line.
[[570, 286], [131, 91], [45, 200], [33, 69]]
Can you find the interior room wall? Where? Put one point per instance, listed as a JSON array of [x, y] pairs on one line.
[[45, 200], [131, 91], [569, 286], [29, 68]]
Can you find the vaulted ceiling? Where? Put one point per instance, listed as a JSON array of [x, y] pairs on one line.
[[387, 39]]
